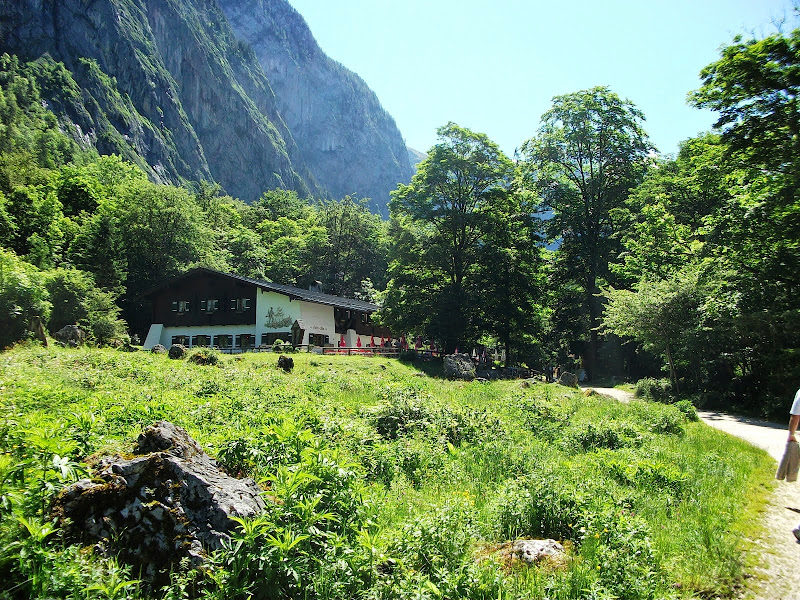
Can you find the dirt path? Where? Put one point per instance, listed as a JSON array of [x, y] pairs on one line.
[[776, 575]]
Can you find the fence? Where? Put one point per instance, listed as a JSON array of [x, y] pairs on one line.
[[363, 351]]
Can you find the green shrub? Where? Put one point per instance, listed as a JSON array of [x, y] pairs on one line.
[[537, 505], [23, 299], [407, 411], [259, 453], [204, 356], [655, 390], [645, 475], [437, 540], [658, 418], [404, 412], [77, 300], [617, 542], [669, 422], [688, 409], [608, 434], [544, 417]]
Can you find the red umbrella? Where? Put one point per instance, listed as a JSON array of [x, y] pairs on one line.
[[403, 342], [372, 341], [358, 342], [342, 342], [383, 341], [418, 343], [456, 350]]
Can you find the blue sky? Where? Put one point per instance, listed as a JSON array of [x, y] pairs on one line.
[[493, 66]]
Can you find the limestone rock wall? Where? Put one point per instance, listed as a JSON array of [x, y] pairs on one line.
[[349, 141]]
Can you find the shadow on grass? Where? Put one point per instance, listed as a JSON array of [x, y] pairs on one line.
[[431, 368]]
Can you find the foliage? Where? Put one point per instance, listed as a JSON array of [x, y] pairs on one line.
[[204, 356], [710, 240], [658, 314], [77, 300], [23, 299], [654, 389], [461, 234]]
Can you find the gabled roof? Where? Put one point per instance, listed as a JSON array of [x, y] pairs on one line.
[[294, 293]]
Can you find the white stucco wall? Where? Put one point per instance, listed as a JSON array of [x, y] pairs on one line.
[[318, 319], [275, 313], [232, 330]]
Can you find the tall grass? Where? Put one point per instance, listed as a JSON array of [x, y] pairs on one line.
[[384, 482]]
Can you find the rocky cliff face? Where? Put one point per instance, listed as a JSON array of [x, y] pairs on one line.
[[176, 86], [351, 144]]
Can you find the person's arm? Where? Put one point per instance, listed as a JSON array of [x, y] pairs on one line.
[[794, 421]]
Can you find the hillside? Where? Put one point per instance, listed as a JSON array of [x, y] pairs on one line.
[[174, 87], [382, 480]]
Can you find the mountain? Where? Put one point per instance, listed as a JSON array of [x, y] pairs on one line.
[[330, 111], [415, 157], [177, 87]]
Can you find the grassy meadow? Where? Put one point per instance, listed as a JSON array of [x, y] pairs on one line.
[[382, 480]]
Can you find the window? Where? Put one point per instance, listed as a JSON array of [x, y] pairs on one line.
[[181, 306], [246, 340], [223, 340], [209, 306], [201, 340], [240, 304], [317, 339], [267, 339], [180, 339]]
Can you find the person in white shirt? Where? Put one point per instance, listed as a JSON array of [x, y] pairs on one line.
[[794, 421]]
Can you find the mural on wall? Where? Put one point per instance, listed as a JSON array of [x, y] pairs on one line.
[[276, 319]]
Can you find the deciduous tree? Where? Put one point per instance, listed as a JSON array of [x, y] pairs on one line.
[[439, 220], [589, 152]]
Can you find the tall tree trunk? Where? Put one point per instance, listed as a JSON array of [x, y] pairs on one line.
[[594, 322], [672, 375]]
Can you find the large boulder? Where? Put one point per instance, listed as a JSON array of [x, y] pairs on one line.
[[177, 351], [70, 335], [534, 551], [568, 379], [459, 366], [168, 502], [158, 349]]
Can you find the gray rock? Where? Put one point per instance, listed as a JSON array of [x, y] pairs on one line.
[[158, 349], [459, 366], [169, 502], [70, 335], [177, 351], [568, 379], [532, 551]]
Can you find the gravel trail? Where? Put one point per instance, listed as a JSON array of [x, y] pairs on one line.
[[775, 575]]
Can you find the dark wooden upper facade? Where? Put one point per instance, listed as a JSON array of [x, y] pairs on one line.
[[185, 301]]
